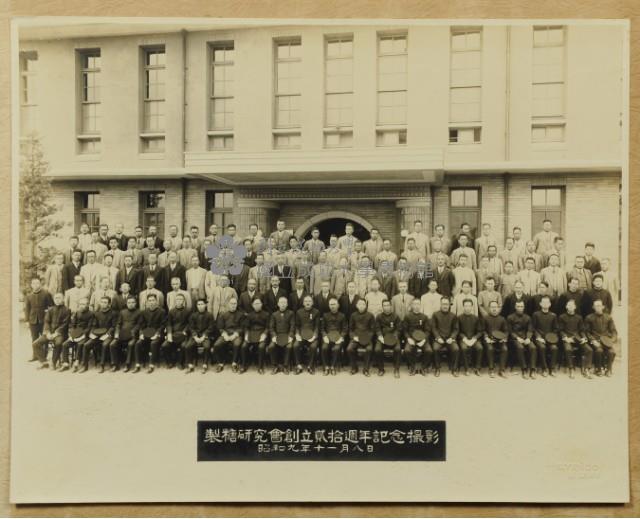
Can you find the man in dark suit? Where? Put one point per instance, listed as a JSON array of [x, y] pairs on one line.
[[349, 300], [239, 281], [119, 235], [173, 270], [71, 270], [130, 275], [443, 275], [250, 258], [35, 305], [321, 300], [296, 297], [158, 241], [283, 272], [387, 280], [419, 280], [73, 247], [152, 269], [249, 296], [272, 295]]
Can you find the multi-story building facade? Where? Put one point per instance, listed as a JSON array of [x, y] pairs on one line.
[[378, 125]]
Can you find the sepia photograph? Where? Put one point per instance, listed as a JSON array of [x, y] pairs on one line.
[[244, 243]]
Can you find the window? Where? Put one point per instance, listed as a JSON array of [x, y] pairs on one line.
[[288, 60], [338, 92], [222, 97], [465, 86], [90, 125], [152, 211], [547, 203], [28, 99], [153, 99], [392, 89], [219, 208], [548, 88], [464, 206], [87, 210]]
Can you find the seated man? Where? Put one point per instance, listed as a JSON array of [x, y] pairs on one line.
[[56, 321], [152, 323], [389, 328], [361, 330], [470, 331], [201, 329], [520, 333], [444, 328], [602, 334], [79, 326], [571, 328], [334, 328], [416, 329], [177, 329], [457, 306], [545, 329], [256, 328], [282, 331], [126, 332], [307, 334], [495, 339], [230, 325], [100, 335]]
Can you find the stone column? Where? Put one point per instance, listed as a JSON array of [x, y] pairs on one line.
[[261, 212], [412, 209]]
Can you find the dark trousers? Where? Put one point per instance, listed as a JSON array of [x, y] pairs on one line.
[[312, 346], [191, 351], [465, 351], [603, 356], [115, 351], [454, 353], [494, 348], [352, 352], [99, 349], [329, 353], [170, 352], [245, 349], [146, 348], [378, 354], [36, 332], [411, 351], [530, 351], [587, 355], [41, 348], [72, 350], [221, 346], [280, 355], [552, 348]]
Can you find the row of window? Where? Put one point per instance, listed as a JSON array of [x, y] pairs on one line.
[[465, 91], [464, 206]]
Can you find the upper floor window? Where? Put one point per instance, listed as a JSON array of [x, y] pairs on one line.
[[392, 89], [338, 91], [88, 210], [28, 94], [222, 96], [90, 126], [288, 92], [153, 99], [152, 205]]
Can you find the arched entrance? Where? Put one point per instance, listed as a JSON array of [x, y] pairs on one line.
[[333, 222]]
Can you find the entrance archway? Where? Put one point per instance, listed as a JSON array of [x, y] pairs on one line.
[[333, 222]]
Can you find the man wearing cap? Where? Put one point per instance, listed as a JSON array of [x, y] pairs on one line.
[[282, 330], [389, 329], [256, 333], [571, 328], [177, 330], [127, 331], [230, 325], [362, 326], [100, 335], [545, 329], [496, 333], [520, 333], [444, 328], [334, 328], [470, 331], [152, 323], [416, 328], [201, 330], [307, 321], [602, 334]]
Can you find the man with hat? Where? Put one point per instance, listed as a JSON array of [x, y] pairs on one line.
[[495, 339], [152, 323], [444, 328], [470, 330], [545, 329], [416, 329], [282, 329], [602, 334], [100, 334], [389, 328], [256, 328], [230, 324], [571, 328], [126, 332], [362, 326], [521, 332], [177, 331], [201, 329], [56, 321], [79, 327], [334, 332], [307, 333]]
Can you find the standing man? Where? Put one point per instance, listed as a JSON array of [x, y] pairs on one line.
[[581, 273], [71, 270], [176, 242], [420, 239], [283, 273], [74, 295], [314, 246], [340, 277], [530, 253], [131, 275], [443, 275], [195, 280], [554, 276], [177, 329], [150, 289], [346, 243], [386, 255], [84, 238], [173, 270], [349, 301], [510, 253], [53, 274], [430, 302], [486, 239], [401, 302], [296, 297], [158, 241], [261, 274], [440, 236], [602, 334], [280, 236], [590, 261], [174, 295], [412, 253], [119, 235], [248, 297], [201, 329], [419, 280], [73, 247], [273, 295], [487, 296], [507, 280], [373, 246], [529, 278], [464, 250], [320, 273], [463, 273], [321, 300], [544, 239], [115, 252], [36, 303], [375, 297], [91, 271]]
